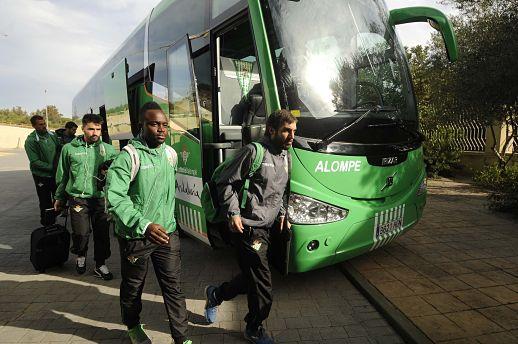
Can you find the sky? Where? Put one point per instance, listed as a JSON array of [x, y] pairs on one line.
[[49, 49]]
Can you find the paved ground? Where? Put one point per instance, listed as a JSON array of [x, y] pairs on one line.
[[320, 306], [456, 274]]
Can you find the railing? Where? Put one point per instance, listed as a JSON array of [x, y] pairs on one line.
[[469, 136]]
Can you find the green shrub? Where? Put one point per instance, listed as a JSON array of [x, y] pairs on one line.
[[502, 184], [440, 153]]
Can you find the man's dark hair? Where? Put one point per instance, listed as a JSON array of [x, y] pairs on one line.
[[70, 125], [278, 118], [146, 107], [36, 118], [92, 118]]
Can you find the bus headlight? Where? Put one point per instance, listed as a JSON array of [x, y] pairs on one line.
[[422, 188], [306, 210]]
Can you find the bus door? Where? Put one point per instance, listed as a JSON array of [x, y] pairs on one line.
[[241, 112], [186, 139], [238, 106], [115, 89]]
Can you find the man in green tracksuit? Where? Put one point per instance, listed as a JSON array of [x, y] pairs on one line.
[[76, 178], [41, 147], [142, 203]]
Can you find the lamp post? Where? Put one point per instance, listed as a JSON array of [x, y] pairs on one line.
[[46, 110]]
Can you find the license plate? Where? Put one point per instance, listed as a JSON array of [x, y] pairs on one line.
[[389, 222], [388, 228]]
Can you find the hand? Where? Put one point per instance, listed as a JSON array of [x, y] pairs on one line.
[[59, 206], [235, 224], [157, 234]]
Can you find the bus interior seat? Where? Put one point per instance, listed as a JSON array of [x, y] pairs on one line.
[[230, 133], [254, 122]]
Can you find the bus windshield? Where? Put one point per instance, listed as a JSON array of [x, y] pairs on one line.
[[336, 59]]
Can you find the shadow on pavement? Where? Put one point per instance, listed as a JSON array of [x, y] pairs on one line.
[[58, 308]]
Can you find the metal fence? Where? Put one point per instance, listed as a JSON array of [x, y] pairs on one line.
[[468, 135]]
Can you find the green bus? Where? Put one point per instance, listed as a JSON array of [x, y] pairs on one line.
[[219, 67]]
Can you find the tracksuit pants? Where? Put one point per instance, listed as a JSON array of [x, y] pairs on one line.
[[255, 278], [87, 215], [135, 256], [45, 188]]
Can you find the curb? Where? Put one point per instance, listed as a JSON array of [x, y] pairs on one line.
[[403, 326]]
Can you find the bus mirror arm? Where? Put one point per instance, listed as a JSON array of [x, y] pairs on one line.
[[435, 18]]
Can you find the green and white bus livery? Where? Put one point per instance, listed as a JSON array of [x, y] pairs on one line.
[[218, 67]]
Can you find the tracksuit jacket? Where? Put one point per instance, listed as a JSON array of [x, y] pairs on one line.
[[78, 168], [267, 195], [41, 151], [150, 198]]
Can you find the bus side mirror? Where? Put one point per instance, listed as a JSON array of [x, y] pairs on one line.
[[435, 18]]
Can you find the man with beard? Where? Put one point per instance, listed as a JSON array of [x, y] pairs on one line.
[[251, 225], [76, 178], [67, 134]]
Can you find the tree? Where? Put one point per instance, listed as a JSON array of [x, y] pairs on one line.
[[14, 116], [53, 114], [482, 85]]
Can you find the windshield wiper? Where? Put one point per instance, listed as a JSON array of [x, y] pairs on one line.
[[329, 138], [399, 123]]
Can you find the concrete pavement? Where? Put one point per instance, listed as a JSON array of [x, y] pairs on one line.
[[455, 275], [62, 307]]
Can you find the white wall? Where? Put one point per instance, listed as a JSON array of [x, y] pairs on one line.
[[13, 137]]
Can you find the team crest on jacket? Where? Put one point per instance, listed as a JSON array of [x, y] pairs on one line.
[[257, 245]]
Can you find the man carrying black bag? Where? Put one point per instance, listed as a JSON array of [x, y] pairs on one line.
[[251, 225], [42, 147]]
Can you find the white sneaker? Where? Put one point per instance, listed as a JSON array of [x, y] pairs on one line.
[[103, 272], [81, 265]]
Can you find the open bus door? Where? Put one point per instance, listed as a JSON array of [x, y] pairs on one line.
[[115, 89], [186, 139], [240, 114]]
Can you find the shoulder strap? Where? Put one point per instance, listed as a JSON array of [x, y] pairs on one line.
[[258, 159], [135, 159], [256, 165], [172, 156]]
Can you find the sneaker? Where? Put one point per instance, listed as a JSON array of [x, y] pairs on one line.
[[259, 336], [81, 265], [138, 336], [103, 272], [211, 305], [188, 341]]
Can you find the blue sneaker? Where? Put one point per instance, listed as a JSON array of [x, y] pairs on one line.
[[259, 336], [211, 305]]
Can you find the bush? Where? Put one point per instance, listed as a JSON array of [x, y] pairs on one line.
[[440, 154], [502, 184]]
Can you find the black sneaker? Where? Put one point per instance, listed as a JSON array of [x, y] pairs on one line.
[[259, 336], [103, 272], [81, 265]]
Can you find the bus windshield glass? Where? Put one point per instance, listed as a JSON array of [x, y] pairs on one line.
[[336, 59]]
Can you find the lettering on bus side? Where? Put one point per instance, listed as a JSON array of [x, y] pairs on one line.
[[338, 166]]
